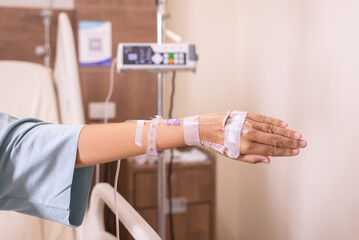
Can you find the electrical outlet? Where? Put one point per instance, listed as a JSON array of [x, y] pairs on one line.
[[97, 110], [179, 205]]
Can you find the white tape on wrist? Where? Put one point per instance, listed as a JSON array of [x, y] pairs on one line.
[[233, 131], [139, 132], [191, 131], [152, 139]]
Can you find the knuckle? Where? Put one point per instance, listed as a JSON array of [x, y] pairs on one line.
[[264, 119], [272, 129], [277, 140], [272, 151]]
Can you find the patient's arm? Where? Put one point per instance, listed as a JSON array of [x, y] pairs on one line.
[[109, 142]]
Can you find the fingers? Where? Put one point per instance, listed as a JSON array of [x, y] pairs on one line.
[[265, 119], [270, 131], [269, 128], [275, 139], [267, 150], [254, 159]]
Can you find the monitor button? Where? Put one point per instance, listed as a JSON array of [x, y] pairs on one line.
[[157, 58]]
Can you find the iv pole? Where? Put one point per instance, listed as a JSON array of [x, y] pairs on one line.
[[161, 163], [45, 49]]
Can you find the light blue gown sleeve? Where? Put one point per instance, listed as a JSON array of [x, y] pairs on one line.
[[37, 170]]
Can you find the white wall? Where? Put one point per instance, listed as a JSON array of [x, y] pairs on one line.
[[297, 60], [60, 4], [207, 24]]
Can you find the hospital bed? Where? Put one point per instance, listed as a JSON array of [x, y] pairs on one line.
[[93, 227]]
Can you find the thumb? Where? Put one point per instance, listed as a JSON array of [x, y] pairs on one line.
[[254, 159]]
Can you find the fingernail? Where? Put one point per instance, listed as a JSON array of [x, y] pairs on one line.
[[297, 135], [284, 124], [295, 151], [303, 143]]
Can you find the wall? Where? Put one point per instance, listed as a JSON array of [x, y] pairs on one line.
[[296, 60], [211, 26], [303, 56]]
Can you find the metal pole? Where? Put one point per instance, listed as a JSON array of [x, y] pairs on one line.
[[161, 164], [47, 14]]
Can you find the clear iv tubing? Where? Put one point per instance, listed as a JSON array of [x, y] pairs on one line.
[[110, 91], [115, 198], [109, 95], [164, 121], [105, 120]]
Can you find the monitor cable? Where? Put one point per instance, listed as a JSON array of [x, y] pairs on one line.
[[170, 165]]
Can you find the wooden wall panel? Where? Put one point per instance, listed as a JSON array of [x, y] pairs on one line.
[[117, 3], [194, 185], [135, 92], [19, 37]]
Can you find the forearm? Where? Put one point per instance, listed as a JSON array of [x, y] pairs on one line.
[[109, 142], [266, 137]]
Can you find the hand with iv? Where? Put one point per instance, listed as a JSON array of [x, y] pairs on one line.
[[244, 136], [264, 137]]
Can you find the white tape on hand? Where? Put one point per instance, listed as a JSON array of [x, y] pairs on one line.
[[233, 131], [191, 131]]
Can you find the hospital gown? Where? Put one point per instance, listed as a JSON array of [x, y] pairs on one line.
[[37, 170]]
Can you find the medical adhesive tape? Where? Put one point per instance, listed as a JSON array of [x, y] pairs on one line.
[[217, 147], [233, 131], [152, 138], [139, 132], [191, 131]]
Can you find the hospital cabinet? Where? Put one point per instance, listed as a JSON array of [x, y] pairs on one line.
[[193, 193]]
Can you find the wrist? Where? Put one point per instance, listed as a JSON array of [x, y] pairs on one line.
[[170, 136]]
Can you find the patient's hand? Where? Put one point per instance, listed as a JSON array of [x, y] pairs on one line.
[[268, 137]]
